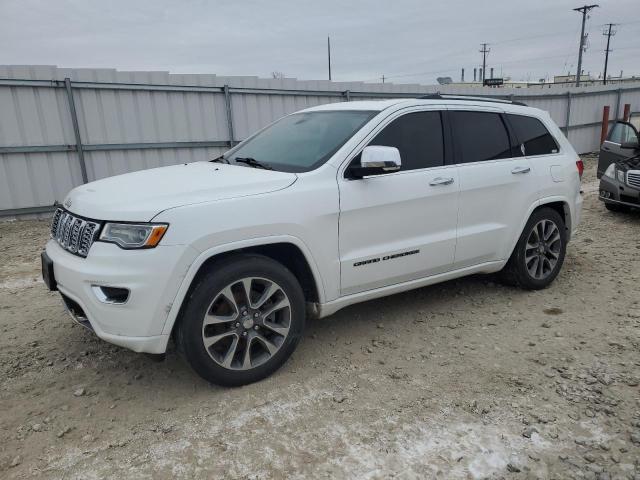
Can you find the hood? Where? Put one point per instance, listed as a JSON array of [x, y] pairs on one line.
[[632, 163], [139, 196]]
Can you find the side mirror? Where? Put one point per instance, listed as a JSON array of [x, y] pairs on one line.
[[376, 160]]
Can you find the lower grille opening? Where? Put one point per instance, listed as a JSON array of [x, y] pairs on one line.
[[76, 311], [630, 199]]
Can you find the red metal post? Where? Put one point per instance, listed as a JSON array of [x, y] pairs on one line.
[[605, 124], [627, 112]]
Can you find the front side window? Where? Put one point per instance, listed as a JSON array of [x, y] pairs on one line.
[[622, 132], [418, 137], [532, 133], [301, 142], [479, 136]]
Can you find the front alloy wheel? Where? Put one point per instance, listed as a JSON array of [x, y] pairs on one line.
[[247, 323], [242, 320]]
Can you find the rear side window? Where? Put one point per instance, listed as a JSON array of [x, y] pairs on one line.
[[532, 133], [418, 137], [479, 136]]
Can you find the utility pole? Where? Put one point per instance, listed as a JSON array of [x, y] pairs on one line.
[[584, 10], [484, 52], [329, 55], [609, 33], [382, 78]]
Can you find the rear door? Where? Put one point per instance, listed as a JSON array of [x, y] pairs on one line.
[[496, 185], [549, 166], [610, 150]]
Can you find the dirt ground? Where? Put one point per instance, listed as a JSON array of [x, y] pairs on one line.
[[467, 379]]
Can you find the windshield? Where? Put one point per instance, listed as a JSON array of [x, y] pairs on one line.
[[299, 142]]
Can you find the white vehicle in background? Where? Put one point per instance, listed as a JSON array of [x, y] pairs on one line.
[[327, 207]]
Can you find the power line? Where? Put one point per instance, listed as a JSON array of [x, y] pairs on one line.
[[608, 33], [584, 10], [484, 52]]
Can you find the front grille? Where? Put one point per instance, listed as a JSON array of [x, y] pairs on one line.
[[73, 233], [633, 178]]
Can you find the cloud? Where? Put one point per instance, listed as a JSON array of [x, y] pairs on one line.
[[408, 41]]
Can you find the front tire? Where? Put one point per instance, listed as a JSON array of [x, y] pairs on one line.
[[539, 253], [242, 321]]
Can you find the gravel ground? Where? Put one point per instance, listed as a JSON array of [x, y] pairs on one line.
[[467, 379]]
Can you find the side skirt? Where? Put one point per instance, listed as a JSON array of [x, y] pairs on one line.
[[329, 308]]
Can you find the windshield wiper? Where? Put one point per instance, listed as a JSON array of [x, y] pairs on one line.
[[252, 162], [221, 159]]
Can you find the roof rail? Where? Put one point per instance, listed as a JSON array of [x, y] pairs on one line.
[[440, 96]]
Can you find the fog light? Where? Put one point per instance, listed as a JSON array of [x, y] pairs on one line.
[[113, 295]]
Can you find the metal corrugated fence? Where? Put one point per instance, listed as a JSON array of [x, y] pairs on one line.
[[62, 127]]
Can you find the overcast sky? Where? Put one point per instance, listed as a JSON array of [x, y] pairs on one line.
[[408, 41]]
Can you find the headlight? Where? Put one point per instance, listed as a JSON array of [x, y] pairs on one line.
[[130, 235], [620, 175], [610, 171]]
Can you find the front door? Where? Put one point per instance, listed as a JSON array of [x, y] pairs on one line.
[[400, 226], [496, 187], [610, 151]]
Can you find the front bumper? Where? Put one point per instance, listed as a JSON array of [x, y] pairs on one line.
[[613, 191], [152, 277]]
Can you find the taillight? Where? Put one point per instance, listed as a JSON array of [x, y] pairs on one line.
[[580, 166]]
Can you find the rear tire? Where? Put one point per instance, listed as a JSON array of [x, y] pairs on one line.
[[539, 254], [242, 321]]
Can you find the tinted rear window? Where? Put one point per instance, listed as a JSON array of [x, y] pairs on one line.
[[532, 133], [479, 136]]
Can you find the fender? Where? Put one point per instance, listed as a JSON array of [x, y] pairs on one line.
[[538, 203], [228, 247], [569, 216]]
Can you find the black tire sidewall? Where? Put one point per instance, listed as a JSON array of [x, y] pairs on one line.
[[523, 276], [221, 275]]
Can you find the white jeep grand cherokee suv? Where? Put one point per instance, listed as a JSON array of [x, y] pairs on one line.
[[327, 207]]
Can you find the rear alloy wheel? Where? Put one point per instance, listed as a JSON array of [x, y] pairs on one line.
[[539, 253], [542, 249], [242, 321]]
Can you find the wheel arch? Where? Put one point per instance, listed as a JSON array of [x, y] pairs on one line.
[[289, 251], [559, 204], [563, 209]]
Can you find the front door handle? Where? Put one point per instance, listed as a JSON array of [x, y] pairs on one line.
[[441, 181], [518, 170]]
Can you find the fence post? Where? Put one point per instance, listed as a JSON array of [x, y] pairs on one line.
[[605, 124], [227, 100], [568, 116], [626, 113], [76, 129]]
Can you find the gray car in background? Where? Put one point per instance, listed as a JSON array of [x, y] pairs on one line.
[[619, 167]]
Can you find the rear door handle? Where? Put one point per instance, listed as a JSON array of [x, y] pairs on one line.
[[441, 181], [518, 170]]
